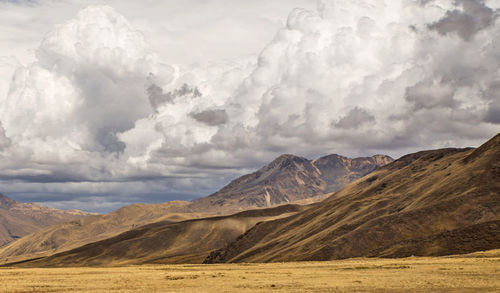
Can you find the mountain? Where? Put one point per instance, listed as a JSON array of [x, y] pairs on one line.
[[429, 203], [288, 179], [165, 242], [19, 219]]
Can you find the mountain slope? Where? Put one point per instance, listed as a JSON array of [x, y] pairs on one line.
[[19, 219], [287, 179], [164, 242], [75, 233], [429, 203]]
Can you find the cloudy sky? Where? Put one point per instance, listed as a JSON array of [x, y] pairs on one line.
[[106, 103]]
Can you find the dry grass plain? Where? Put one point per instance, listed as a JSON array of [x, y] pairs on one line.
[[472, 273]]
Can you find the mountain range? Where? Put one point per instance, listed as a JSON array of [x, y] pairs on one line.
[[20, 219], [288, 179], [430, 203], [187, 241]]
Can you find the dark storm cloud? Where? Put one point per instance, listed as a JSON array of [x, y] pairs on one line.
[[474, 17], [95, 203], [50, 178], [210, 117], [67, 177]]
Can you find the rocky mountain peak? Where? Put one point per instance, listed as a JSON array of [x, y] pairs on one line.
[[289, 179], [283, 162], [286, 159], [331, 160]]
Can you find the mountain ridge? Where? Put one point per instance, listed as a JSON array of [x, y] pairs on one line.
[[290, 178], [300, 183], [428, 203], [188, 241], [20, 219]]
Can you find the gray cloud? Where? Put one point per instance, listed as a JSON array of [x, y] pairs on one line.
[[157, 97], [492, 94], [111, 104], [431, 95], [4, 140], [355, 118], [474, 17], [210, 117], [107, 138], [21, 2], [493, 113]]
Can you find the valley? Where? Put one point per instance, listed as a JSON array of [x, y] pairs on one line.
[[478, 272]]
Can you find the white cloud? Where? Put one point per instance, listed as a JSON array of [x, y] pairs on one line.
[[213, 30], [99, 113], [379, 55]]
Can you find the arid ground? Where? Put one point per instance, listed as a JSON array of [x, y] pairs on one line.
[[479, 272]]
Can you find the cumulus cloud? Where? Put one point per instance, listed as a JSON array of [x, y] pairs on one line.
[[99, 111], [383, 56], [86, 85]]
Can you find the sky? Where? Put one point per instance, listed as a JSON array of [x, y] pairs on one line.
[[108, 103]]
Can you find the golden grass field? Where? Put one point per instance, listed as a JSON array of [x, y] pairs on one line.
[[473, 273]]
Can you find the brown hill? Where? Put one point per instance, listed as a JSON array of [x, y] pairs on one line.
[[164, 242], [19, 219], [288, 179], [76, 233], [430, 203]]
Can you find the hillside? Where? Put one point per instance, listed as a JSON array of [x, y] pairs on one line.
[[19, 219], [165, 242], [288, 179], [429, 203], [75, 233]]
